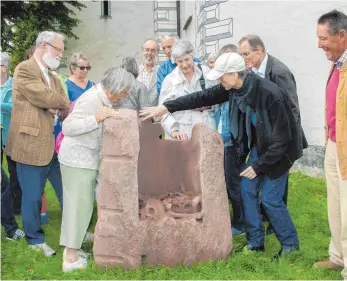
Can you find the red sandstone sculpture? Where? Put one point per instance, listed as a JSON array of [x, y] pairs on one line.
[[160, 202]]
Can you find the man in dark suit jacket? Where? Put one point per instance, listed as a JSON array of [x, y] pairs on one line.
[[252, 49], [37, 97]]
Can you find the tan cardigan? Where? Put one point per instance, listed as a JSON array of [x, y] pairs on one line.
[[31, 138]]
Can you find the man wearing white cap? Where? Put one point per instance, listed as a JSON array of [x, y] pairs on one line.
[[260, 112]]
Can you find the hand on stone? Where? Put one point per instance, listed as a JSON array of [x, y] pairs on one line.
[[150, 112], [104, 113], [179, 135], [249, 173]]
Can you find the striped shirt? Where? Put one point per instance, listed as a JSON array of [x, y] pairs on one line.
[[146, 76]]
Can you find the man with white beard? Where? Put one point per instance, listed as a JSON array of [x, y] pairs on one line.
[[148, 69], [37, 97]]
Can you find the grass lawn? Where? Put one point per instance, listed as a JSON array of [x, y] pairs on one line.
[[307, 204]]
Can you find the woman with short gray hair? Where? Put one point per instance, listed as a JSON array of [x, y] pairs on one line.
[[78, 82], [186, 78], [211, 60], [79, 157]]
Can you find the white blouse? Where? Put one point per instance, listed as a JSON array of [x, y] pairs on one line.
[[176, 85], [81, 145]]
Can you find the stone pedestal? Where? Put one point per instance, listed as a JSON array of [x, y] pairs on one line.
[[160, 202]]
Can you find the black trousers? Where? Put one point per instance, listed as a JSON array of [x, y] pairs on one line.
[[16, 191], [7, 218], [232, 170]]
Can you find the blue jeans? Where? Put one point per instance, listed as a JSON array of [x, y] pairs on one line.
[[32, 180], [7, 218], [270, 193]]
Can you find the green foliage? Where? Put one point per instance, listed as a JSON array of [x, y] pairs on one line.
[[308, 207], [21, 21]]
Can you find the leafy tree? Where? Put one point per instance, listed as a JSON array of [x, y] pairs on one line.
[[21, 21]]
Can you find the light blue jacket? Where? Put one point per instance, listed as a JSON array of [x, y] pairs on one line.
[[224, 126], [6, 108]]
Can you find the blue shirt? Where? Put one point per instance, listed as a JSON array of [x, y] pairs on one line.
[[75, 91], [6, 108], [165, 69]]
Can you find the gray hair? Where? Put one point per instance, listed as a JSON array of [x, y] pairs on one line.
[[181, 48], [170, 36], [5, 60], [48, 36], [336, 21], [212, 56], [130, 65], [75, 59], [253, 41], [230, 48], [150, 39], [116, 79]]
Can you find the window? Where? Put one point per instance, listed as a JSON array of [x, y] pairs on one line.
[[105, 9]]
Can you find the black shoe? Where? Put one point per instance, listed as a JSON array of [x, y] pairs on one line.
[[257, 249], [282, 253]]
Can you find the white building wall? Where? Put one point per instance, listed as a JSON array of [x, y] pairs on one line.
[[107, 41], [288, 29]]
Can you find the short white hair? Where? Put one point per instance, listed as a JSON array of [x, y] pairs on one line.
[[117, 79], [212, 56], [181, 48], [148, 40], [5, 59], [170, 36], [48, 36]]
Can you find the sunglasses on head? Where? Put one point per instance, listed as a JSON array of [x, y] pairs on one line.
[[84, 67]]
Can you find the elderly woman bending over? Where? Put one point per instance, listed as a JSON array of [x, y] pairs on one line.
[[186, 78], [79, 157]]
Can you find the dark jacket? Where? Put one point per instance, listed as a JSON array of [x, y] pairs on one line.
[[278, 142], [278, 73]]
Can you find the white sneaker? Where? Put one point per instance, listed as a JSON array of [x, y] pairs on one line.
[[48, 251], [89, 237], [81, 263], [17, 235], [80, 252]]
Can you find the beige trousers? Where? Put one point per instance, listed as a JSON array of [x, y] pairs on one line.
[[78, 197], [337, 208]]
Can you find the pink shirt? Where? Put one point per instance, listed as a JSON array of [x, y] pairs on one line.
[[331, 103]]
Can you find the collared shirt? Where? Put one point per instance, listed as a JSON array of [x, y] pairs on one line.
[[341, 60], [146, 75], [262, 68], [44, 70]]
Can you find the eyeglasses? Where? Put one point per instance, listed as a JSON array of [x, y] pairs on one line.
[[55, 48], [83, 67]]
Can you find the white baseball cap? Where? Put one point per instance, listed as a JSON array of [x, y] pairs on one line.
[[226, 63]]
